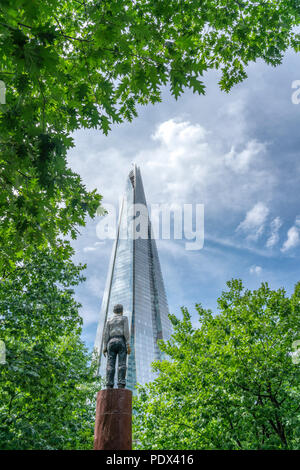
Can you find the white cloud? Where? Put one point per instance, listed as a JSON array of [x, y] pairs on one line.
[[228, 243], [254, 223], [240, 162], [293, 237], [89, 315], [274, 237], [174, 134], [256, 270]]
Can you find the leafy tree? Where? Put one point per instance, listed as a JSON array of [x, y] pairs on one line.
[[47, 386], [68, 64], [231, 383]]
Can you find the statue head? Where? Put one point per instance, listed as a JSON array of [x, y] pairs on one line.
[[118, 309]]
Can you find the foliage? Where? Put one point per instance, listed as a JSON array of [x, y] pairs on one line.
[[47, 387], [231, 383], [68, 64]]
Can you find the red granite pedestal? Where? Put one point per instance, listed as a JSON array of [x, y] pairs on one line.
[[113, 420]]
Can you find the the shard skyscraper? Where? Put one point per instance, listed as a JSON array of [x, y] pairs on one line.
[[135, 280]]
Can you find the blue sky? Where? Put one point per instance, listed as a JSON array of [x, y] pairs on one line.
[[236, 153]]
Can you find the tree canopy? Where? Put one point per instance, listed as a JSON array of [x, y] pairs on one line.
[[47, 384], [231, 383], [68, 64]]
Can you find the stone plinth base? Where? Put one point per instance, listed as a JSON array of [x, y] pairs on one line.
[[113, 420]]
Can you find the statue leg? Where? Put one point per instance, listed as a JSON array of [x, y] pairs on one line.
[[111, 365], [122, 365]]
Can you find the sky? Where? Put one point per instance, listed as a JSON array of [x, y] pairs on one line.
[[236, 153]]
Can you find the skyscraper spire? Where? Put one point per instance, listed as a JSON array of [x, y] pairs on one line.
[[134, 279]]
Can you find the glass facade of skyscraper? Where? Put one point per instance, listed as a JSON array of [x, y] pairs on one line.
[[135, 280]]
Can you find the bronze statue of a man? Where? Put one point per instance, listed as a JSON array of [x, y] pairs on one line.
[[116, 343]]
